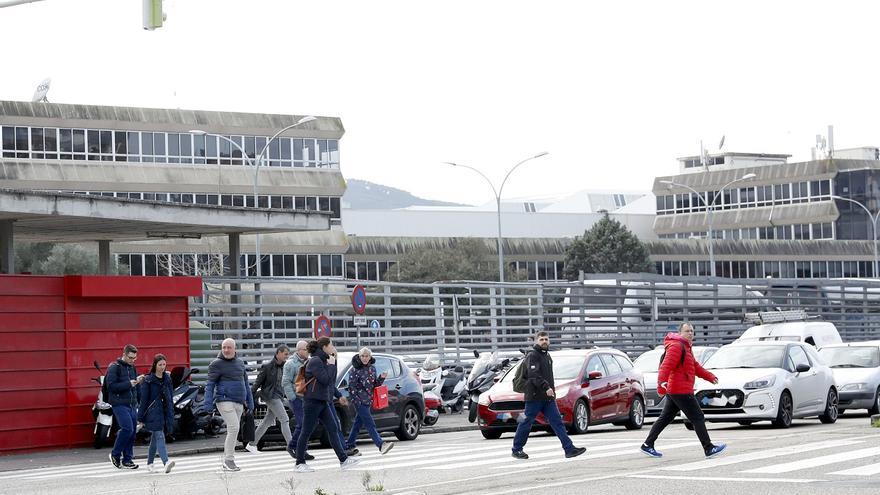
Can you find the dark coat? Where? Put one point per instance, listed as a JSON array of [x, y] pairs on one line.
[[324, 386], [268, 379], [538, 374], [362, 379], [118, 379], [228, 382], [156, 410]]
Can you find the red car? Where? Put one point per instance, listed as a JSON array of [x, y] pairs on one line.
[[593, 386]]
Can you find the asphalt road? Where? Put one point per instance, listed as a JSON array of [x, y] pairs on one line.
[[807, 458]]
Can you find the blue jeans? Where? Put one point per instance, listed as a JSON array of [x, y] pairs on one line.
[[126, 418], [314, 411], [338, 424], [296, 405], [551, 414], [364, 418], [157, 442]]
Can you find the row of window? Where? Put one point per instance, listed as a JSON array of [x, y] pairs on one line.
[[302, 203], [273, 265], [696, 162], [774, 269], [745, 197], [51, 143], [539, 270], [808, 231]]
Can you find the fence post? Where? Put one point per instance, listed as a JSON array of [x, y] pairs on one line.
[[439, 322], [388, 327], [539, 309], [493, 313]]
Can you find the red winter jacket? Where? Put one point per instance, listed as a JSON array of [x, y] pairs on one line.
[[676, 377]]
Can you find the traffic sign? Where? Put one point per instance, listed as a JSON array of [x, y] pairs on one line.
[[360, 321], [375, 325], [359, 299], [322, 327]]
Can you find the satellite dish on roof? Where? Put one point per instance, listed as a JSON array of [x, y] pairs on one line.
[[42, 90]]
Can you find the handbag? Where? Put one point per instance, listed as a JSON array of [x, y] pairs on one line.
[[380, 397], [248, 430]]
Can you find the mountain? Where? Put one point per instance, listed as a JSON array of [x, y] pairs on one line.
[[365, 195]]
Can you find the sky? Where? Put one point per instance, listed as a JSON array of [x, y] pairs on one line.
[[613, 91]]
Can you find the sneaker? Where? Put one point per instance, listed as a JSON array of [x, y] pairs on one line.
[[129, 465], [386, 446], [169, 466], [716, 450], [116, 462], [650, 451], [519, 454], [352, 452], [349, 463], [574, 452], [151, 468], [229, 465], [251, 448], [303, 468]]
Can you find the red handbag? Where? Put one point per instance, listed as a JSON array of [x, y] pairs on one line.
[[380, 397]]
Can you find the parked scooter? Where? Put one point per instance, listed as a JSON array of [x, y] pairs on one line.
[[481, 378], [449, 385], [432, 407], [105, 423]]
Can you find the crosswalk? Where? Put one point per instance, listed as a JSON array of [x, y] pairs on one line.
[[838, 458]]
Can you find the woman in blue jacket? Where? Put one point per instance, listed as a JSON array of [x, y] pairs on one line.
[[156, 411]]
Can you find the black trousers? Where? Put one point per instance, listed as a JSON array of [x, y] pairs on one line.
[[687, 404]]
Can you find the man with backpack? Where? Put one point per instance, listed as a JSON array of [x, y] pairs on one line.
[[288, 381], [675, 379], [121, 384], [534, 379]]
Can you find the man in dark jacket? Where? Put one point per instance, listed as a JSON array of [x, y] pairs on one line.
[[122, 384], [227, 380], [540, 397], [271, 390]]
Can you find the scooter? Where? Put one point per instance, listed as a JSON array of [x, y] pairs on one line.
[[481, 378], [432, 406], [105, 423], [449, 385]]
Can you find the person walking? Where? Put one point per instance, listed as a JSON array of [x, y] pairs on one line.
[[320, 390], [156, 411], [362, 380], [288, 383], [269, 385], [675, 379], [540, 397], [228, 386], [122, 385]]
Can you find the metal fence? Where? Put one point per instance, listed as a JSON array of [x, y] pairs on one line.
[[629, 312]]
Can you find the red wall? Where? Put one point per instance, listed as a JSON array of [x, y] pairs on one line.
[[52, 328]]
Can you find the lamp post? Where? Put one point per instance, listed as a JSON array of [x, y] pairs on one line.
[[198, 132], [873, 218], [497, 193], [709, 207]]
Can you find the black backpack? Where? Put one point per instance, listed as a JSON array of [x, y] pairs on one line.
[[105, 390], [519, 379], [683, 354]]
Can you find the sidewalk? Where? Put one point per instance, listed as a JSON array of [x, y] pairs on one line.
[[199, 445]]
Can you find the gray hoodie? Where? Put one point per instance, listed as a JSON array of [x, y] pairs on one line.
[[288, 378]]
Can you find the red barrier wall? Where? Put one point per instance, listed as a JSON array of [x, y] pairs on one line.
[[53, 328]]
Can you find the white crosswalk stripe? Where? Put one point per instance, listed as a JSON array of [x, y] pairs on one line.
[[868, 470], [817, 461], [623, 449], [756, 456]]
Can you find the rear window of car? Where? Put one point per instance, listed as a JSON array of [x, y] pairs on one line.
[[624, 362], [383, 365], [611, 365], [851, 357]]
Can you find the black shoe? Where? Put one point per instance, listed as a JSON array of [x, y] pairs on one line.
[[352, 452], [292, 453], [129, 465], [310, 457], [116, 462], [519, 454], [575, 452]]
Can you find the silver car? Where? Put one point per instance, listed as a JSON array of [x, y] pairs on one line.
[[856, 368], [649, 364]]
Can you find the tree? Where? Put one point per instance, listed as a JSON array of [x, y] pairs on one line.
[[608, 247], [465, 259], [59, 259]]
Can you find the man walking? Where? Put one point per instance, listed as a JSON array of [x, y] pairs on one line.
[[122, 384], [288, 382], [269, 385], [540, 397], [675, 379], [228, 382]]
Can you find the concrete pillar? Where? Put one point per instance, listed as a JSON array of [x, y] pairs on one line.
[[7, 247], [234, 254], [104, 257]]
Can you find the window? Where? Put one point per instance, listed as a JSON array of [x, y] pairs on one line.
[[624, 363], [595, 364], [796, 356], [529, 207], [383, 365], [611, 365]]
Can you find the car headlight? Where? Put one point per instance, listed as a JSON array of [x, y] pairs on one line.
[[763, 382], [484, 400], [854, 387]]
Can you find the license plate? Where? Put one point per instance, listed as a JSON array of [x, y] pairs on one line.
[[650, 402], [506, 416]]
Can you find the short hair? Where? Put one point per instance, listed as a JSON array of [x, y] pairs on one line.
[[281, 348], [130, 348], [302, 343], [682, 325], [365, 350], [541, 333]]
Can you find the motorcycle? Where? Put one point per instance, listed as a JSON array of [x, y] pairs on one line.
[[449, 385], [432, 406], [481, 378], [105, 423]]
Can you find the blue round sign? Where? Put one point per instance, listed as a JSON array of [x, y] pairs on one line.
[[374, 324], [322, 327], [359, 299]]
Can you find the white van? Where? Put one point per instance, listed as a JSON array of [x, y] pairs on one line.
[[792, 325]]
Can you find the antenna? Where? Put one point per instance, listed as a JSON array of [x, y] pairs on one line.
[[42, 89], [721, 144]]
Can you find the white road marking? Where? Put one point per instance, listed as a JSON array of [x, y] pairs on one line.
[[867, 470], [763, 454], [722, 478], [816, 461]]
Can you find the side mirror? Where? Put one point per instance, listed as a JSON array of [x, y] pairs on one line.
[[594, 375], [459, 369], [476, 353], [97, 366], [801, 368], [496, 379], [505, 363], [194, 371]]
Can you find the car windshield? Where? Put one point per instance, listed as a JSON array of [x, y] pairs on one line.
[[747, 356], [564, 368], [649, 361], [851, 357]]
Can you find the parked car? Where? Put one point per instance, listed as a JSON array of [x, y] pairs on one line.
[[649, 364], [593, 386], [403, 416], [856, 368], [773, 381]]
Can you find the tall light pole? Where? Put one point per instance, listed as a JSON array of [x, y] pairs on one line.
[[198, 132], [497, 193], [873, 218], [709, 206]]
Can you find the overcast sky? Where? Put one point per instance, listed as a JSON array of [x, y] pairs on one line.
[[614, 91]]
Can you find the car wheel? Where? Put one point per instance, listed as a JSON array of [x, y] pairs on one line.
[[491, 434], [430, 421], [410, 424], [101, 435], [580, 420], [876, 408], [783, 417], [472, 411], [636, 415], [831, 412]]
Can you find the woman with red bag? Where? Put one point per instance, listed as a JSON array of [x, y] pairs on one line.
[[362, 381]]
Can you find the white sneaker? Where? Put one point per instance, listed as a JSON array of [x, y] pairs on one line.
[[349, 463], [151, 468], [251, 448], [386, 446], [169, 466], [303, 468]]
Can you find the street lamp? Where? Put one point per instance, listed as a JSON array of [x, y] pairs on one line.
[[874, 219], [497, 193], [709, 207], [198, 132]]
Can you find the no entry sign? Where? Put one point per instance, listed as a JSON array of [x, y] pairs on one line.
[[359, 299], [322, 327]]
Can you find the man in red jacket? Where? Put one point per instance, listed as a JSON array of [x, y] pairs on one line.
[[676, 380]]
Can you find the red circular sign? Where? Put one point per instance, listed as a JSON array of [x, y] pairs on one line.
[[359, 299], [322, 327]]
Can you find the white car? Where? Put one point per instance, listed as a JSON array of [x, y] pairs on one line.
[[649, 364], [856, 369], [767, 381]]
